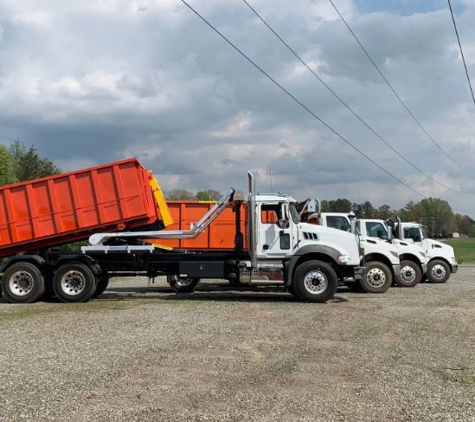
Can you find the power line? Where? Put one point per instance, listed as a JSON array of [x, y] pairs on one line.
[[394, 91], [343, 102], [299, 102], [410, 24], [461, 52]]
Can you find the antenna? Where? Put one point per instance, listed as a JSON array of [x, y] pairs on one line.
[[271, 184]]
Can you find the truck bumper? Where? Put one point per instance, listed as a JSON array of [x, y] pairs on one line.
[[424, 268], [455, 268], [359, 273]]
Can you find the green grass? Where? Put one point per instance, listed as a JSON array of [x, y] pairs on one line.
[[464, 249]]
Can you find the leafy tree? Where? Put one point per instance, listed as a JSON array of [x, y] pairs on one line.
[[325, 205], [208, 195], [28, 163], [179, 194], [7, 169], [368, 210], [384, 212], [340, 205]]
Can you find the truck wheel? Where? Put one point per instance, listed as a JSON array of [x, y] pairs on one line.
[[378, 278], [23, 283], [438, 271], [101, 286], [182, 285], [410, 274], [315, 281], [74, 283]]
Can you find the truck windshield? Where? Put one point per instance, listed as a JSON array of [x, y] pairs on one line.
[[294, 213]]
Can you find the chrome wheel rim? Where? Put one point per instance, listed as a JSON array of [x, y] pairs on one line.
[[376, 277], [315, 282], [73, 283], [438, 272], [184, 282], [408, 274], [21, 283]]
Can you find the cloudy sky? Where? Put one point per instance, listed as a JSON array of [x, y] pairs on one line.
[[96, 81]]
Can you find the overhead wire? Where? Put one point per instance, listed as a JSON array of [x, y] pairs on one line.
[[408, 110], [367, 125], [300, 103], [461, 51]]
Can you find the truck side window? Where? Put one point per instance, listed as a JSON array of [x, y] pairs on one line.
[[270, 214], [412, 233], [376, 230], [340, 223]]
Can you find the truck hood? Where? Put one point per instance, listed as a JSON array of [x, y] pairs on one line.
[[345, 242], [434, 247]]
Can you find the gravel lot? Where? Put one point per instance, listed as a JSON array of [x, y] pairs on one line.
[[145, 354]]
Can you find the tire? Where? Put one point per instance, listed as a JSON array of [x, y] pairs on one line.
[[438, 271], [101, 286], [378, 278], [291, 290], [74, 283], [315, 281], [410, 276], [182, 285], [23, 283]]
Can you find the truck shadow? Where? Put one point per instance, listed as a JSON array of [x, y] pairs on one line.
[[217, 294]]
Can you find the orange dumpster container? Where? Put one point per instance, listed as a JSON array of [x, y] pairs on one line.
[[218, 235], [69, 207]]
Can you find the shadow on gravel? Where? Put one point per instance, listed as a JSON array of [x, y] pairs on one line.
[[208, 294]]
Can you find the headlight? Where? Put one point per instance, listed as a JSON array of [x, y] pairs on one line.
[[454, 260], [344, 259]]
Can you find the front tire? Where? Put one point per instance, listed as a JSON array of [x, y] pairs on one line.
[[378, 278], [74, 283], [182, 285], [410, 274], [315, 281], [23, 283], [438, 271]]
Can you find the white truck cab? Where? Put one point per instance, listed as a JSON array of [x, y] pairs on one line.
[[441, 257], [412, 257], [380, 257]]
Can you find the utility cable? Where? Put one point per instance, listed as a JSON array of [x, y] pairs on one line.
[[380, 137], [461, 52], [394, 91], [300, 103]]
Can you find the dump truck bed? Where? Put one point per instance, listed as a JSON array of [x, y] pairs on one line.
[[69, 207]]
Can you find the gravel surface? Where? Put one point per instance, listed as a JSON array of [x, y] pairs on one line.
[[146, 354]]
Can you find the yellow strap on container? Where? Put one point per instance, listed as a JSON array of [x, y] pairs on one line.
[[160, 246], [167, 218]]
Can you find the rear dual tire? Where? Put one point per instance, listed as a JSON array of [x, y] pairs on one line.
[[74, 283], [23, 282]]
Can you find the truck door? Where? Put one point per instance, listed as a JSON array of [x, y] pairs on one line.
[[276, 231]]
